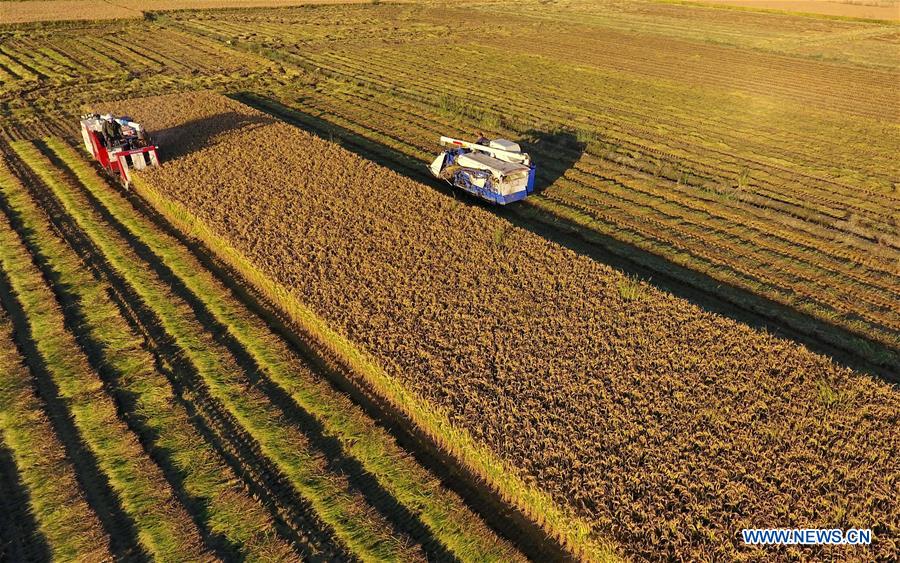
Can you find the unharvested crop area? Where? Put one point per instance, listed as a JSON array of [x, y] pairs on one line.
[[149, 413], [664, 427], [745, 160]]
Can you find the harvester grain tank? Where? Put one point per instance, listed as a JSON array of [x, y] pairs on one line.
[[119, 144], [497, 171]]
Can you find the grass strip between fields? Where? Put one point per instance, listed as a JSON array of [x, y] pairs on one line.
[[65, 519], [355, 524], [574, 533], [210, 486], [444, 513], [165, 530]]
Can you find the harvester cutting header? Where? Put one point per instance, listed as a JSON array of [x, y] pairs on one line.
[[496, 170], [119, 144]]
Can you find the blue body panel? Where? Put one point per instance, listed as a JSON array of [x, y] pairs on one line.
[[462, 180]]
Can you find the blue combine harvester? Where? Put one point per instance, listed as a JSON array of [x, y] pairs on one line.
[[497, 170]]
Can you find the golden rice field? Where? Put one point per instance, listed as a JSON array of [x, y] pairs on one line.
[[288, 342]]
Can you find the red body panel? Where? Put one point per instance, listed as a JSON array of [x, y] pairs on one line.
[[120, 161]]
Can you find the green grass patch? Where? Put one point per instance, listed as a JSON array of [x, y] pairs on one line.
[[209, 485], [164, 529], [353, 521], [631, 288]]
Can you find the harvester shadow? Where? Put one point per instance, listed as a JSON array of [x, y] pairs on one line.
[[702, 290], [338, 461], [21, 539], [192, 136], [555, 152]]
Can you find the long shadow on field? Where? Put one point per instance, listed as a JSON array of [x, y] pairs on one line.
[[702, 290], [295, 519], [337, 459], [565, 148], [98, 356], [94, 482], [201, 133], [21, 540]]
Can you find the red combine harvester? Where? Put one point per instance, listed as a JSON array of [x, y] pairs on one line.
[[119, 144]]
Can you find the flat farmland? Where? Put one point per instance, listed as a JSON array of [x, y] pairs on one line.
[[732, 148], [303, 347], [25, 11], [864, 9]]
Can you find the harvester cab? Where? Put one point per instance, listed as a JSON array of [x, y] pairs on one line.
[[497, 171], [118, 144]]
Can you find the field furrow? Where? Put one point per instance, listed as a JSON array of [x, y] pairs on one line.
[[164, 528], [231, 521], [64, 519]]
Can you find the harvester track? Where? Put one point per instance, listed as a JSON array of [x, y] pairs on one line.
[[298, 521], [238, 446], [116, 523]]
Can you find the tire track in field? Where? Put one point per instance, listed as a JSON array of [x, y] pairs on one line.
[[298, 521], [98, 491], [338, 462]]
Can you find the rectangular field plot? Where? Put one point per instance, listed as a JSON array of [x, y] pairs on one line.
[[538, 354]]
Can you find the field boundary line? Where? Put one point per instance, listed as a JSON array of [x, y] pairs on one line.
[[573, 533], [150, 403]]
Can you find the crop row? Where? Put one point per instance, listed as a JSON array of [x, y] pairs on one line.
[[260, 452], [584, 385], [140, 487], [397, 477], [209, 488], [635, 214], [609, 93], [40, 457], [384, 67]]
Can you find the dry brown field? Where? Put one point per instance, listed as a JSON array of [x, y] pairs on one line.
[[867, 9], [290, 342], [25, 11], [648, 417]]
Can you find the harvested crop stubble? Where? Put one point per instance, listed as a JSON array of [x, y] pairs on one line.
[[55, 10], [667, 427]]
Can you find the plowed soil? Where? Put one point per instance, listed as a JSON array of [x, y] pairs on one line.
[[668, 427]]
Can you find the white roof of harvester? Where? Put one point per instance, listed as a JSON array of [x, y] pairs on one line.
[[481, 161]]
